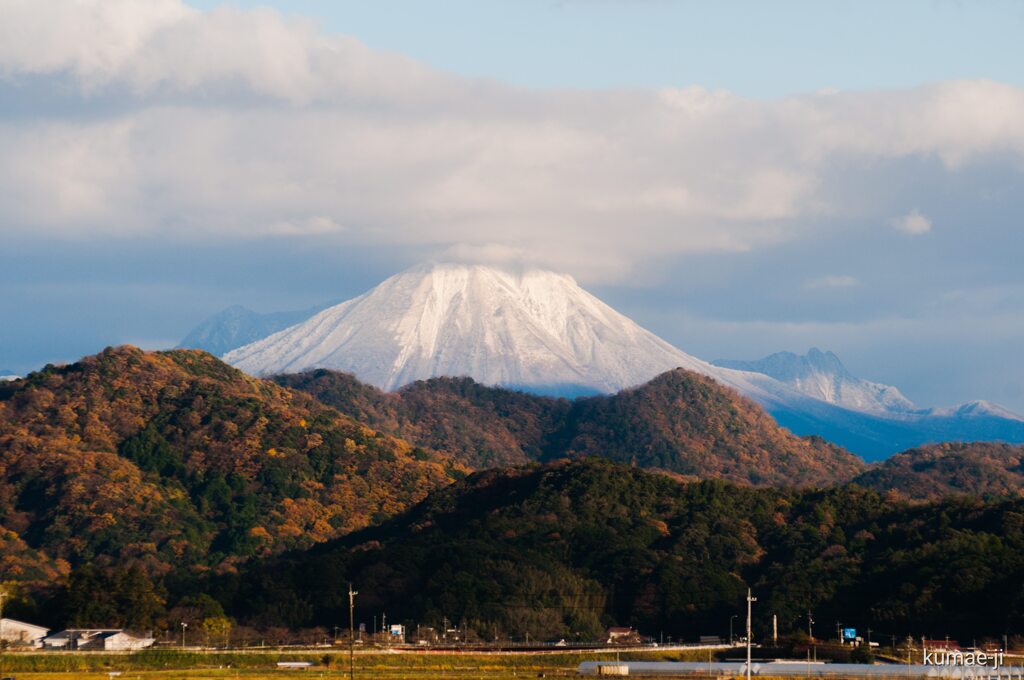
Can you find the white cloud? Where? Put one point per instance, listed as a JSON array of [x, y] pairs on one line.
[[242, 123], [913, 223], [318, 224], [833, 281]]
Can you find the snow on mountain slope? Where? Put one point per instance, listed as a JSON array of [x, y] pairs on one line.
[[530, 329], [540, 331], [974, 409], [822, 375]]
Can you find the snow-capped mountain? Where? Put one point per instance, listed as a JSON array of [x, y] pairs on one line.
[[532, 328], [974, 409], [540, 331], [823, 376]]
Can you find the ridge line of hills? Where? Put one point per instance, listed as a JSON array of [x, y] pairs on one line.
[[681, 422], [539, 330], [159, 471]]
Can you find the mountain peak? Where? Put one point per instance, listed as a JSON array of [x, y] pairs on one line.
[[823, 376], [520, 327], [512, 272], [979, 408]]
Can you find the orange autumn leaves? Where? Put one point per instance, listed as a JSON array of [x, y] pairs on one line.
[[174, 459]]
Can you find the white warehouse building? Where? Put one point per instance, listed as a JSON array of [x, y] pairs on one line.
[[20, 633]]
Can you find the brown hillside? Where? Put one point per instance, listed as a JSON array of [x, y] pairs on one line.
[[680, 422], [687, 423], [952, 468], [174, 459]]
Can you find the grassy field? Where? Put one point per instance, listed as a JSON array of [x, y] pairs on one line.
[[167, 665]]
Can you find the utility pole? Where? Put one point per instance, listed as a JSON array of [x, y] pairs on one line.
[[775, 630], [810, 634], [750, 600], [351, 632], [2, 594]]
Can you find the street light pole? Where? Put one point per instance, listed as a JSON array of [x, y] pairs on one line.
[[183, 627]]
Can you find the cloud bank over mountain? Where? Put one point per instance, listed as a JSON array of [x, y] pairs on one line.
[[138, 129], [186, 143]]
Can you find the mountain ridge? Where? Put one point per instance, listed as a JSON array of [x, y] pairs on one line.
[[952, 468], [236, 326], [540, 331], [823, 376], [176, 461], [680, 421]]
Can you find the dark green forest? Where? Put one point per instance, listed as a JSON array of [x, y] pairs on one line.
[[569, 548], [144, 490]]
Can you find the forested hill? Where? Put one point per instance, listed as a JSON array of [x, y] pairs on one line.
[[681, 422], [573, 546], [176, 460], [928, 472], [481, 426]]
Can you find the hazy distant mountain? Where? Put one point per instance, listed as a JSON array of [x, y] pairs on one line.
[[822, 375], [539, 331], [872, 419], [974, 409], [237, 326]]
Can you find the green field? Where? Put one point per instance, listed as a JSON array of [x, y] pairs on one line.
[[175, 665]]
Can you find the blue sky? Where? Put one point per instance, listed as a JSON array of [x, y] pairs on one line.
[[753, 48], [741, 178]]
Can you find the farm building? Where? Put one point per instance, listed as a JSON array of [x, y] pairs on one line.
[[106, 639], [20, 633]]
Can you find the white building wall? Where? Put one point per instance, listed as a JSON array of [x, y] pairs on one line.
[[21, 633]]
